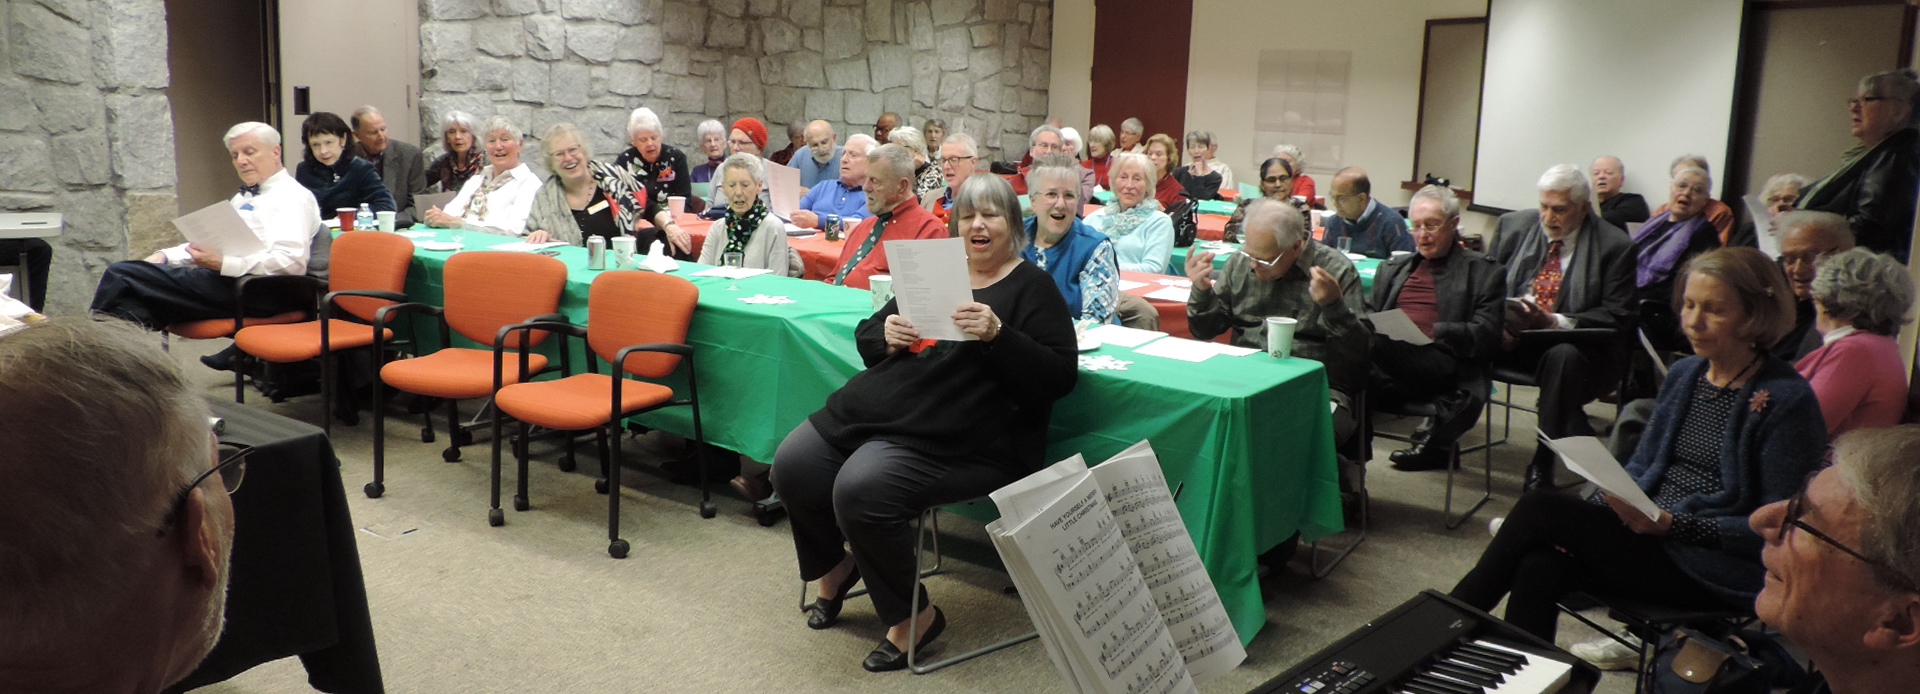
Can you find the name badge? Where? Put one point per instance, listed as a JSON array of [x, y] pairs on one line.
[[597, 207]]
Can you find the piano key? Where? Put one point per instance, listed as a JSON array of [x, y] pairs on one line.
[[1540, 674], [1485, 681], [1423, 688], [1501, 667], [1507, 657], [1473, 668], [1447, 685]]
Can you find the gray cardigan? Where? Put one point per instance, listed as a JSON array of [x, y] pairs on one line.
[[767, 250]]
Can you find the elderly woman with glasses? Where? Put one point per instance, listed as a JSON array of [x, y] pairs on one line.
[[1142, 234], [585, 198], [463, 158], [927, 423], [1081, 260], [1276, 183], [927, 176], [1861, 299], [659, 167], [1734, 429], [712, 138], [498, 200], [1681, 230], [1875, 186]]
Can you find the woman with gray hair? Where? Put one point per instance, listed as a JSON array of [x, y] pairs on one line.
[[463, 158], [926, 176], [712, 138], [661, 167], [1133, 136], [1204, 176], [1082, 261], [1777, 197], [584, 197], [935, 132], [749, 227], [1303, 186], [1861, 299], [498, 200], [1875, 186], [1680, 231]]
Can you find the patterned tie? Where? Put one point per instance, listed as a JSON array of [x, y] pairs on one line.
[[873, 237], [1546, 285], [249, 190]]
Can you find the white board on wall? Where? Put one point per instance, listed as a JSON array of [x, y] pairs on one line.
[[1570, 80]]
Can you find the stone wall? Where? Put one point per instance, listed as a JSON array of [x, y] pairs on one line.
[[980, 64], [86, 130]]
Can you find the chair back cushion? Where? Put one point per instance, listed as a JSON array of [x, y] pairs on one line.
[[489, 290], [636, 308], [369, 260]]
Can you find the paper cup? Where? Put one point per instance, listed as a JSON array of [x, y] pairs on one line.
[[882, 286], [386, 220], [677, 204], [1280, 336], [346, 217], [623, 248]]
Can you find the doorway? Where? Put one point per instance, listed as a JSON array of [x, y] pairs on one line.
[[215, 85], [1140, 52]]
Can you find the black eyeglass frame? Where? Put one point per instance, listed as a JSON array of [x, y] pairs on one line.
[[1796, 508], [232, 470]]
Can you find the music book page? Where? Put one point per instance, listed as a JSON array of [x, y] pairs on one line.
[[1084, 591], [1137, 493]]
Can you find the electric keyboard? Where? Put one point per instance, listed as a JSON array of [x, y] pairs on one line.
[[1434, 644]]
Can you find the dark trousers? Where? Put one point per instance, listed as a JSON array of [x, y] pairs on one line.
[[156, 295], [1569, 376], [1553, 544], [1406, 373], [867, 499], [39, 263]]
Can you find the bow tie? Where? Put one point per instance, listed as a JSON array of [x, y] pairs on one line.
[[249, 190]]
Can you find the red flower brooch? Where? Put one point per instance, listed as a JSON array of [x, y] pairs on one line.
[[1759, 401]]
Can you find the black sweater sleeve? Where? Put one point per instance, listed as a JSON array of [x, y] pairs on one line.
[[1035, 355]]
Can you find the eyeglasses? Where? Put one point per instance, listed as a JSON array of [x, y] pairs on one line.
[[1790, 260], [1797, 507], [232, 470], [1862, 101]]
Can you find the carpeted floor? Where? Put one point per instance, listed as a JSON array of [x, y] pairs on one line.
[[712, 605]]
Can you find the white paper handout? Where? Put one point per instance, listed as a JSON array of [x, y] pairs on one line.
[[1178, 295], [1179, 348], [930, 283], [1763, 234], [1122, 336], [1587, 457], [526, 247], [1126, 285], [220, 227], [783, 190], [1395, 325]]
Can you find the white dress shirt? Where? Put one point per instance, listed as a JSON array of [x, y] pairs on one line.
[[284, 215], [507, 206]]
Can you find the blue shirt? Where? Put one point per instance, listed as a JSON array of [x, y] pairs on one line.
[[1378, 232], [833, 197], [812, 172]]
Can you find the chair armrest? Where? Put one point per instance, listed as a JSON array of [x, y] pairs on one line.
[[560, 327], [327, 302], [262, 283], [666, 347]]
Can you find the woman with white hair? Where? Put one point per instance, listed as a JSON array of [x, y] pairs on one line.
[[583, 197], [498, 200], [1133, 136], [712, 136], [661, 171], [1082, 261], [749, 227], [1875, 186], [926, 176], [463, 158], [1142, 234], [1680, 231], [1777, 197], [1861, 299]]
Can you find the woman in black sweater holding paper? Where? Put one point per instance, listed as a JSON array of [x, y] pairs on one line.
[[928, 423]]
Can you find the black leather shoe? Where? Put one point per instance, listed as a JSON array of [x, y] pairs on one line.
[[887, 658], [1538, 477], [221, 360], [1421, 457], [824, 612]]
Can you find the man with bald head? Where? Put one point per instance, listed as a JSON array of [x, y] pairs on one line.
[[823, 160], [843, 196], [1375, 229], [1617, 206], [401, 165], [884, 126], [1806, 239]]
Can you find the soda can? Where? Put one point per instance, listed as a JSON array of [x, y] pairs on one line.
[[596, 253]]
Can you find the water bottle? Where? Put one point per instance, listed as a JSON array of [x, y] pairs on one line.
[[364, 218]]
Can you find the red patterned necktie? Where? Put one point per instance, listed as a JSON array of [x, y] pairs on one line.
[[1546, 285]]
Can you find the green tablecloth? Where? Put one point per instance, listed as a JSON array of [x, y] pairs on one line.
[[1178, 265], [1215, 207], [1250, 437]]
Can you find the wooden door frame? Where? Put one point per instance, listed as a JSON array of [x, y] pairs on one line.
[[1414, 181]]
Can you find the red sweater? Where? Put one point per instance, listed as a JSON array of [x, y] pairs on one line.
[[910, 221], [1168, 192]]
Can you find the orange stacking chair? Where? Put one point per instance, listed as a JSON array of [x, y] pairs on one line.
[[369, 271], [486, 292], [639, 323], [319, 255]]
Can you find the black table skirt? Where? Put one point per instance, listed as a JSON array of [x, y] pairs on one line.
[[296, 587]]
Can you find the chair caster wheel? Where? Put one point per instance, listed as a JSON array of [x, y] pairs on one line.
[[462, 437], [496, 517], [709, 509], [520, 503], [375, 489], [567, 464], [426, 435], [600, 485], [618, 549], [767, 516], [351, 419], [451, 455]]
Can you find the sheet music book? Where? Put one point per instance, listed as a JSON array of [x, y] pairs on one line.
[[1110, 577]]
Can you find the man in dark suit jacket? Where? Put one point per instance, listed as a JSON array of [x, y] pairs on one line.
[[1586, 283], [400, 164], [1617, 206], [1455, 297]]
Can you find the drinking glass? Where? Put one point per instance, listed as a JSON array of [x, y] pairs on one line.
[[733, 259]]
